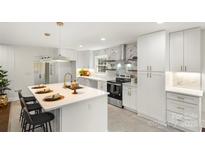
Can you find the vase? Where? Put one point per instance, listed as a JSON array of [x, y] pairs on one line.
[[3, 100]]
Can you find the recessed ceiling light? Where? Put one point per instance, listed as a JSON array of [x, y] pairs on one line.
[[47, 34], [160, 22], [80, 46], [103, 39]]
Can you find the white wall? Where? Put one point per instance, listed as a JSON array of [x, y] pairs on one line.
[[18, 61], [83, 59], [64, 68]]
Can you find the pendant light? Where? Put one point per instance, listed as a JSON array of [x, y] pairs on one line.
[[60, 58]]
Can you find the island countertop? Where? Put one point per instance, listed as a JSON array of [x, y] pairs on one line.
[[85, 93]]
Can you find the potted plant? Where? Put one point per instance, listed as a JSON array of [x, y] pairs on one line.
[[4, 83]]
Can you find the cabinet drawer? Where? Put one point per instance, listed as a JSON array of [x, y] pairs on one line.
[[183, 121], [183, 98], [175, 119], [186, 109]]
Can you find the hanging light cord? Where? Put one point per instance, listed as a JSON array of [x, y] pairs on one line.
[[60, 25]]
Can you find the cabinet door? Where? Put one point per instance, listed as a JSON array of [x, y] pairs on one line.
[[84, 81], [151, 51], [192, 50], [126, 96], [176, 51], [81, 81], [144, 94], [133, 102], [151, 96], [102, 85], [143, 53], [130, 97]]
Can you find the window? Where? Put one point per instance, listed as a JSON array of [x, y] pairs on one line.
[[100, 63]]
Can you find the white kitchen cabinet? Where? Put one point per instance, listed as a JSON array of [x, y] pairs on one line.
[[192, 50], [151, 52], [176, 51], [87, 82], [185, 51], [83, 81], [102, 85], [184, 111], [151, 101], [130, 97]]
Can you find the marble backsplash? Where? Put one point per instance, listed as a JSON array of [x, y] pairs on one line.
[[186, 80]]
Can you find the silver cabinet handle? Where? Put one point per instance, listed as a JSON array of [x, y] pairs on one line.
[[179, 120], [181, 108], [150, 75], [147, 68], [150, 68], [129, 92], [180, 97], [147, 74], [185, 68], [181, 68]]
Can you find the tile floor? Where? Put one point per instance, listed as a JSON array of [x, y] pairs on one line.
[[122, 120], [119, 120]]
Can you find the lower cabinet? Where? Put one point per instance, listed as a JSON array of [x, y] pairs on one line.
[[102, 85], [151, 99], [130, 97], [83, 81], [98, 84], [184, 112]]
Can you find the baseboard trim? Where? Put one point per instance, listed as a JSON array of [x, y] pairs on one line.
[[152, 119], [129, 109]]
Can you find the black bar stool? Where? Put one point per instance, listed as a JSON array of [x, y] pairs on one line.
[[27, 99], [30, 102], [30, 107], [38, 120]]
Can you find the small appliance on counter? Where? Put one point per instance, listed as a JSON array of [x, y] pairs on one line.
[[114, 88]]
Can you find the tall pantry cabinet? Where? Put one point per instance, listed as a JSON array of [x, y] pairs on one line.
[[151, 76]]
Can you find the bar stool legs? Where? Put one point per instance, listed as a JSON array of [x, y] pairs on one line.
[[50, 127]]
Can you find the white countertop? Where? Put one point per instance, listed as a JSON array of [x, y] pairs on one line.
[[185, 91], [96, 78], [85, 93], [130, 84]]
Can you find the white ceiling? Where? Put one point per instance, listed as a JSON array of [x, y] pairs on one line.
[[87, 34]]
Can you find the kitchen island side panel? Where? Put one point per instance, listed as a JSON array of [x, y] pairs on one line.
[[87, 116]]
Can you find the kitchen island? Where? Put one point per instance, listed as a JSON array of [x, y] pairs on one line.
[[82, 112]]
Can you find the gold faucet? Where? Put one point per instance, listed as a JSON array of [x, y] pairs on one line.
[[71, 77]]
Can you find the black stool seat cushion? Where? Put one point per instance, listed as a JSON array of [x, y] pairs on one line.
[[29, 99], [33, 107], [42, 118]]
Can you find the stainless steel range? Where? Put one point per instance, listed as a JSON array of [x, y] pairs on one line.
[[114, 88]]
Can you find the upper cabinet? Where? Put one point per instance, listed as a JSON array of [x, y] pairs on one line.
[[151, 52], [176, 51], [185, 51], [192, 50]]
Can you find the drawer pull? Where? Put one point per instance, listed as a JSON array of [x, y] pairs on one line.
[[179, 120], [180, 97], [180, 108]]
